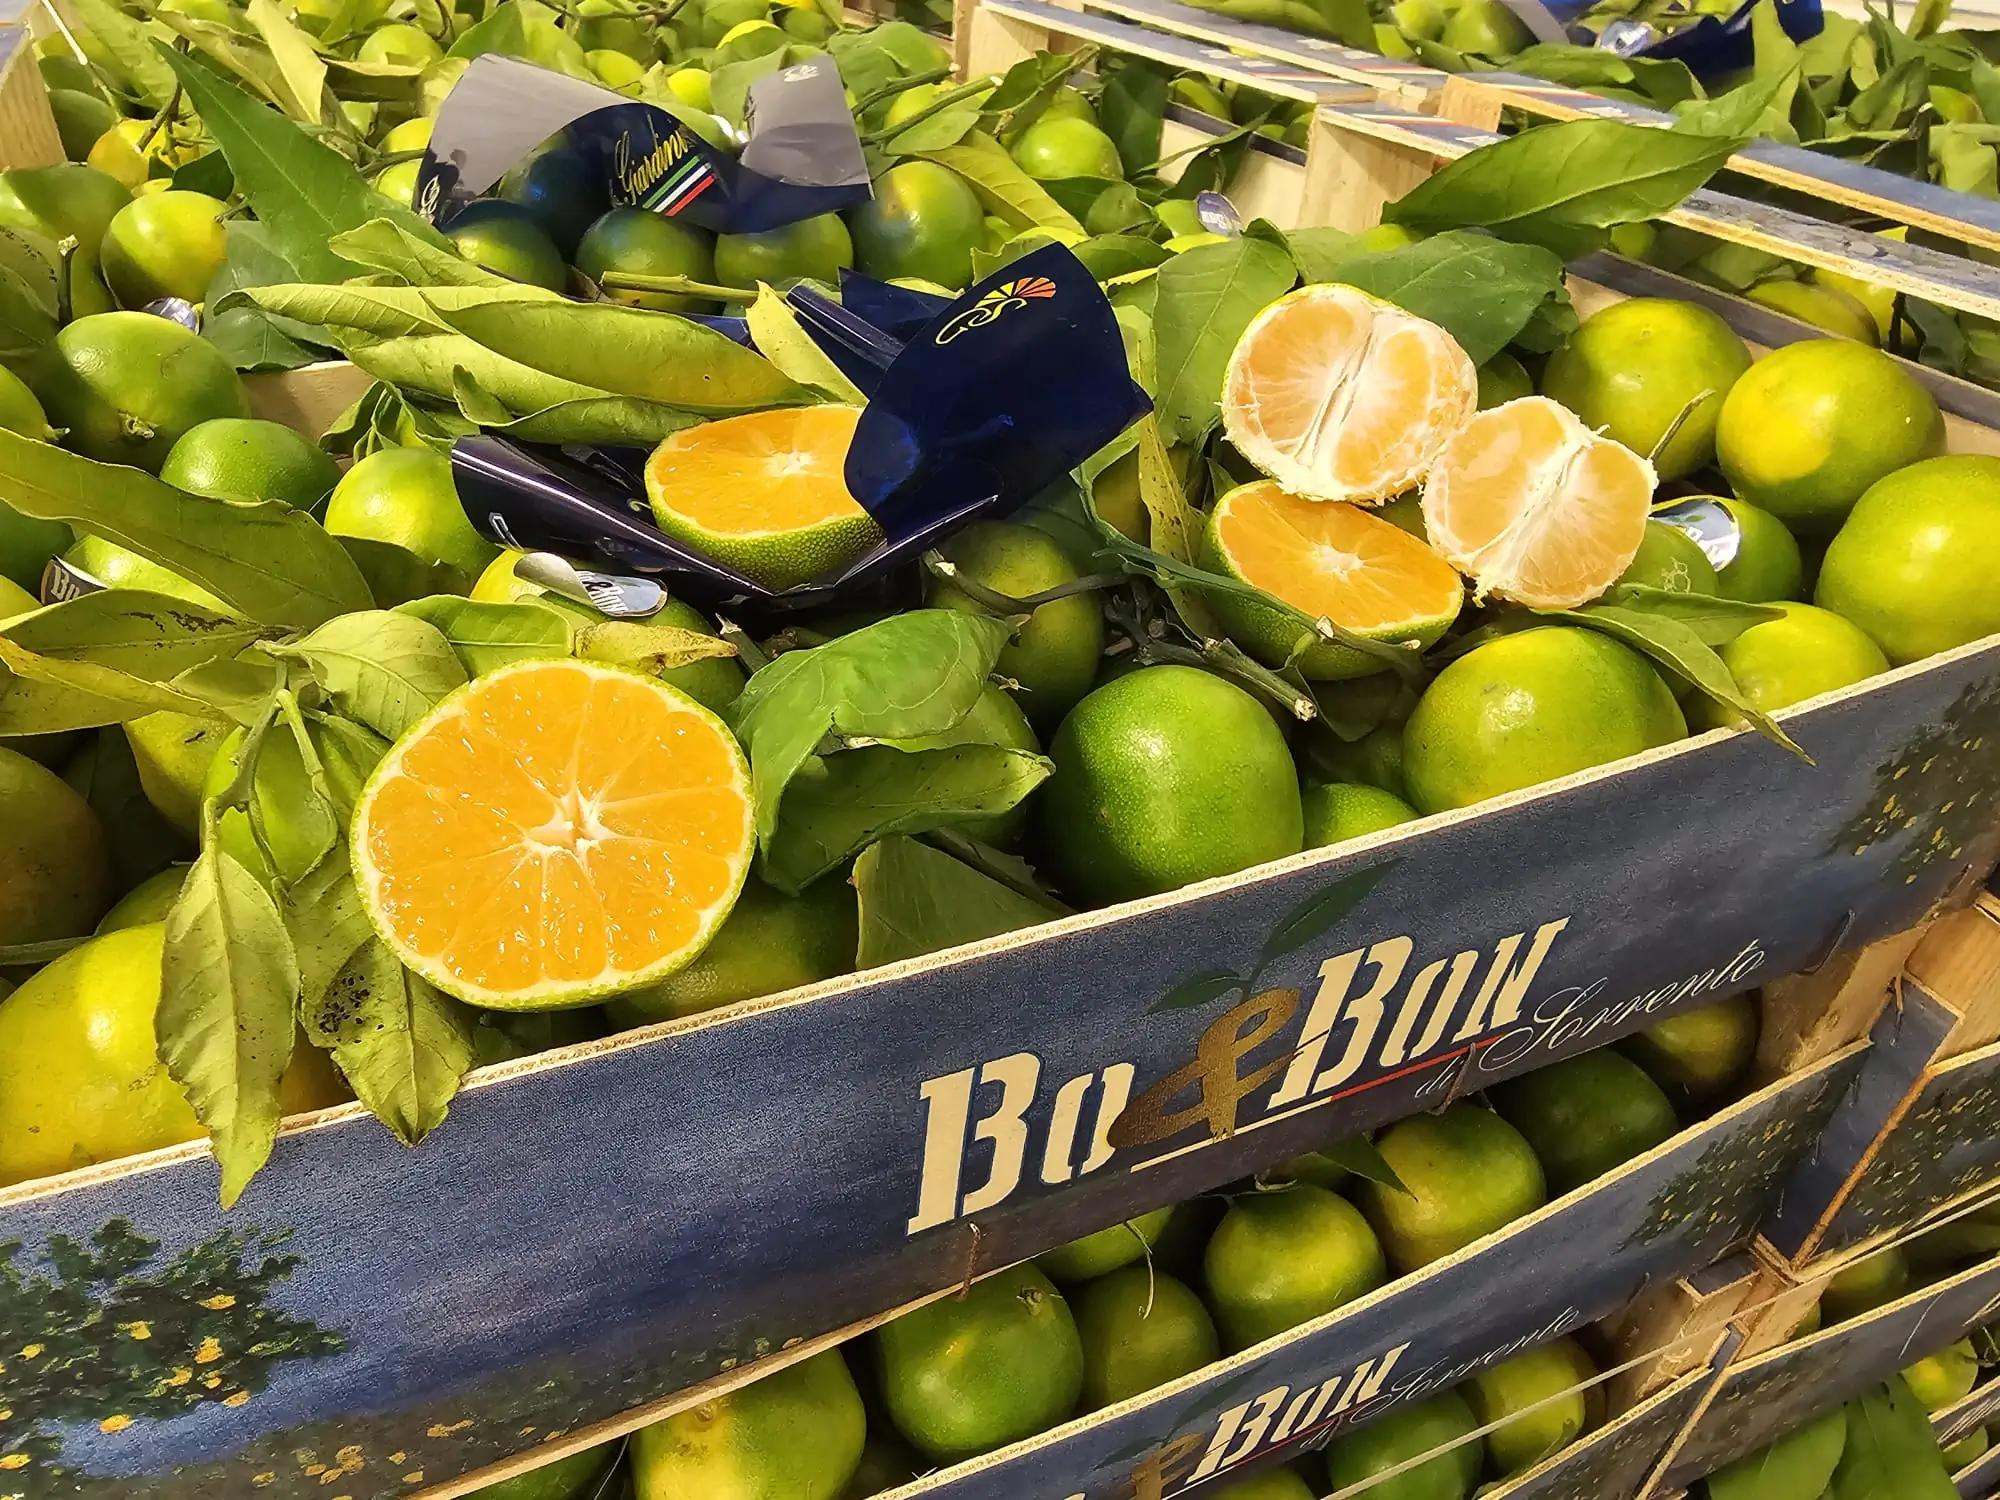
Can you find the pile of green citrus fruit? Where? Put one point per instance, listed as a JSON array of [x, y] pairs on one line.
[[247, 664]]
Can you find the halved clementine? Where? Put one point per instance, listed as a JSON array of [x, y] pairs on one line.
[[1535, 507], [1331, 561], [1338, 395], [764, 493], [552, 833]]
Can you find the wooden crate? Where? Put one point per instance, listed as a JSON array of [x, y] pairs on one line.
[[1478, 99], [551, 1267], [28, 135], [1765, 1396], [1920, 1126]]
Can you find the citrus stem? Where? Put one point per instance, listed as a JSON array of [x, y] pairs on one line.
[[944, 101], [1680, 420], [1225, 660], [679, 286], [1012, 605], [159, 121], [65, 301], [747, 651]]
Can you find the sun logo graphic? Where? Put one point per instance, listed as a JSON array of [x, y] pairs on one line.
[[993, 305]]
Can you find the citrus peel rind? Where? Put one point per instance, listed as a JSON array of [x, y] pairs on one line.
[[1535, 507], [1338, 395], [764, 493], [1328, 560], [552, 833]]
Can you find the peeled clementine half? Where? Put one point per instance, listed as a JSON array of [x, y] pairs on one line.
[[552, 833], [764, 493], [1338, 395], [1329, 561], [1535, 507]]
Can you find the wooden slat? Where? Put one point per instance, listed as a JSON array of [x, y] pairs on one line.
[[1832, 179], [1477, 99], [1948, 280], [28, 136]]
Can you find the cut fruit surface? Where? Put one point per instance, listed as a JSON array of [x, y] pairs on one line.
[[555, 832], [764, 493], [1533, 506], [1338, 395], [1329, 560]]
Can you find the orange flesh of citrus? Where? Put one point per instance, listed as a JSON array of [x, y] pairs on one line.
[[1340, 396], [1335, 560], [552, 831], [766, 471], [1535, 507]]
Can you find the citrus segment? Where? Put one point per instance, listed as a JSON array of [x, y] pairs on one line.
[[555, 832], [764, 493], [1330, 561], [1338, 395], [1533, 506]]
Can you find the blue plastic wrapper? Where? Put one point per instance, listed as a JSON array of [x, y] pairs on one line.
[[802, 156], [975, 405], [1711, 46]]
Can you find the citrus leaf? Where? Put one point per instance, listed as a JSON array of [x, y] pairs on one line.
[[599, 419], [106, 775], [273, 563], [1891, 1452], [775, 330], [625, 351], [386, 246], [385, 669], [1716, 620], [488, 634], [1006, 190], [903, 678], [1679, 648], [646, 647], [1173, 525], [328, 925], [228, 986], [45, 694], [396, 575], [1565, 185], [126, 51], [378, 311], [865, 794], [1800, 1463], [348, 753], [301, 74], [915, 900], [27, 319], [403, 1045], [1480, 290], [34, 955], [254, 340], [124, 632], [1207, 297], [1358, 1155], [304, 191]]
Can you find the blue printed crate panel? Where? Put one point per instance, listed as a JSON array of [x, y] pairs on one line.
[[1979, 1480], [1665, 1215], [1614, 1462], [1910, 1136], [1767, 1397], [596, 1229], [1959, 1421]]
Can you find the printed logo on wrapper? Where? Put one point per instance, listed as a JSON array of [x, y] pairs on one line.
[[995, 304]]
